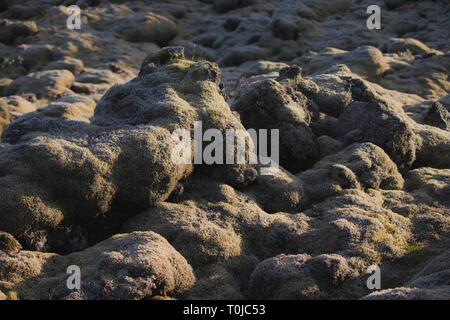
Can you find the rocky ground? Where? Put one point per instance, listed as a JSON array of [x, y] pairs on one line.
[[86, 176]]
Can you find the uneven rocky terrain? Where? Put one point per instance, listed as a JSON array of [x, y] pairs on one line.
[[87, 178]]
